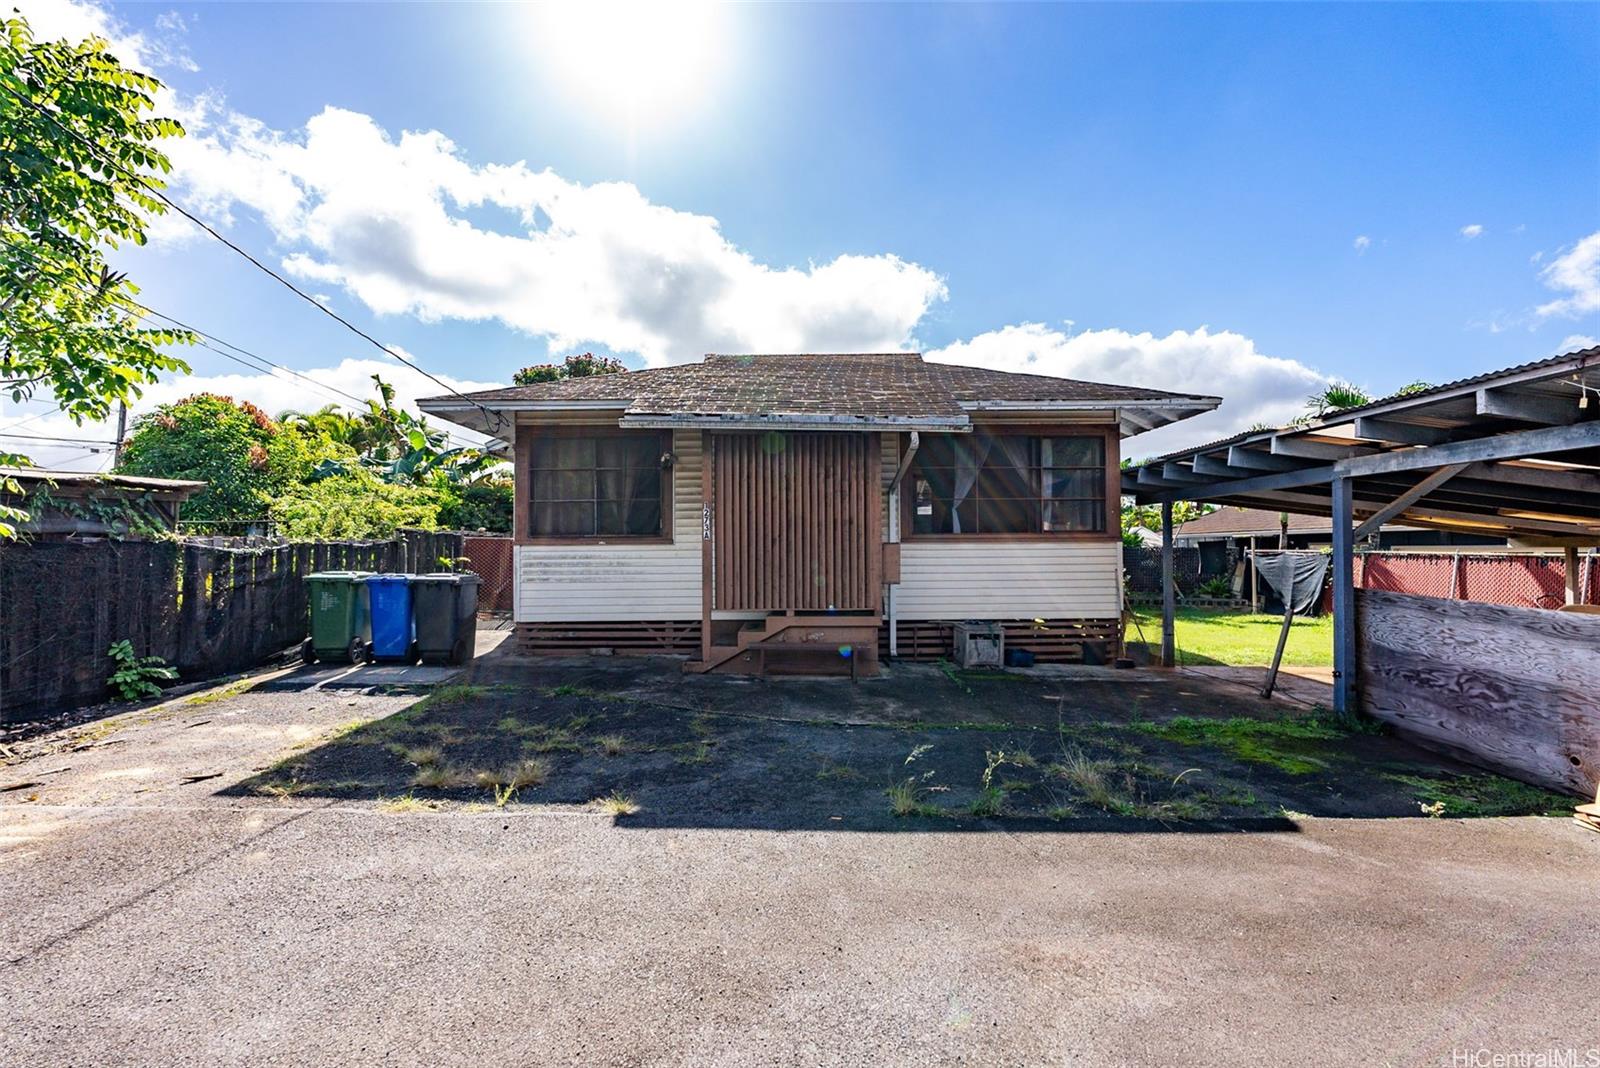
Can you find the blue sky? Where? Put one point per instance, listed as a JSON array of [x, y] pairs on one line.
[[1237, 199]]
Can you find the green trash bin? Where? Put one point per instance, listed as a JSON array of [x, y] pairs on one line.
[[341, 617], [446, 607]]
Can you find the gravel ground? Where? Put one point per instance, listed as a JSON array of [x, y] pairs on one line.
[[153, 919]]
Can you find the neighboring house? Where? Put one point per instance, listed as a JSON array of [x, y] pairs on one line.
[[804, 512], [1226, 536], [1149, 539], [89, 504], [1239, 529]]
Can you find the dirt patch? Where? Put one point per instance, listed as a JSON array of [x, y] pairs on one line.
[[1029, 751]]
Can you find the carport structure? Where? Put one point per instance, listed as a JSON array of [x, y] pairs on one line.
[[1513, 453]]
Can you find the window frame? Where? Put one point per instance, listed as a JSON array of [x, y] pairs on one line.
[[1110, 436], [528, 439]]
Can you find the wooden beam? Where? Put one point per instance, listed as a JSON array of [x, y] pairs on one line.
[[1574, 591], [1314, 449], [1543, 477], [1527, 407], [1210, 465], [1400, 432], [1147, 476], [1174, 472], [1256, 460], [1169, 592], [1517, 445], [1411, 496], [1305, 476], [1140, 420], [1344, 605]]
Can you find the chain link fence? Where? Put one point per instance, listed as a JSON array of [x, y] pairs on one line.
[[491, 559], [1525, 580]]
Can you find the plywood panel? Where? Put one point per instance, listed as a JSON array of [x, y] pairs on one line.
[[1510, 688], [1067, 579], [797, 521]]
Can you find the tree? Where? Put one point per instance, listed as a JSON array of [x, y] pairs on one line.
[[243, 455], [79, 163], [584, 366], [354, 504], [393, 444]]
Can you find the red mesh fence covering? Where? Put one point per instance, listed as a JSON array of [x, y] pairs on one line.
[[1526, 580], [491, 561]]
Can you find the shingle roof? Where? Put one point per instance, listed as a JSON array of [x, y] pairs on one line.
[[865, 385], [1230, 520]]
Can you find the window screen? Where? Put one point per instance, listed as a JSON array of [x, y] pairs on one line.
[[601, 486], [1008, 484]]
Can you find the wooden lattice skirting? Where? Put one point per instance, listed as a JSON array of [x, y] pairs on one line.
[[1052, 641], [635, 637]]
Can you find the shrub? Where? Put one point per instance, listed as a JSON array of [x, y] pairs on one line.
[[354, 505], [483, 505], [135, 676]]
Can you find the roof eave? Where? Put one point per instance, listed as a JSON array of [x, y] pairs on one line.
[[792, 421]]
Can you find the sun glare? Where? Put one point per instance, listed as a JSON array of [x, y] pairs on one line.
[[634, 62]]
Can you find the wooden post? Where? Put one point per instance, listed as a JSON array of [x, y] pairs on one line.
[[1344, 601], [1169, 592], [1283, 640], [1574, 591], [707, 547], [1255, 591]]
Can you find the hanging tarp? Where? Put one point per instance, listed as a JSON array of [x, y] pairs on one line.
[[1295, 575]]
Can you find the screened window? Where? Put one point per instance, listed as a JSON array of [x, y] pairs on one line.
[[1008, 484], [602, 486]]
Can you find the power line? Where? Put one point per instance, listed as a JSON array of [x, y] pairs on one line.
[[146, 312], [54, 437], [496, 417], [32, 418]]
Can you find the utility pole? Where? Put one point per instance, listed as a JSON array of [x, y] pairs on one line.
[[122, 428]]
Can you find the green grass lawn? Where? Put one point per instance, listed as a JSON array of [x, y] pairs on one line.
[[1208, 636]]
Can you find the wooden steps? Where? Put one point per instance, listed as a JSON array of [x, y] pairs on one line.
[[803, 644]]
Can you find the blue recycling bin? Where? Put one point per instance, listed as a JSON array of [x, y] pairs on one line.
[[394, 634]]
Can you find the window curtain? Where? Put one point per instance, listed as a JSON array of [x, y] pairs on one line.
[[971, 451]]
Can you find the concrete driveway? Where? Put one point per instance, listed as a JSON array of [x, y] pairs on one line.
[[152, 918]]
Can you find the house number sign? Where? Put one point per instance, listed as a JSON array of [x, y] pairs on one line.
[[705, 523]]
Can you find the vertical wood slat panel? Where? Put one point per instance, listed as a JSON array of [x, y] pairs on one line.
[[794, 522]]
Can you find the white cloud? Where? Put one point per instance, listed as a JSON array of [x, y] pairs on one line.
[[1362, 243], [1472, 230], [407, 225], [1255, 387], [1575, 343], [275, 393], [55, 20], [1576, 272]]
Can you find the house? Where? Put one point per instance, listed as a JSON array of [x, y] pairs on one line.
[[1228, 533], [91, 504], [809, 512]]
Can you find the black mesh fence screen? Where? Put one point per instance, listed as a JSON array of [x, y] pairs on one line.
[[208, 606]]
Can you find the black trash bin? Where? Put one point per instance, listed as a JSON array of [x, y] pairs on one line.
[[446, 608]]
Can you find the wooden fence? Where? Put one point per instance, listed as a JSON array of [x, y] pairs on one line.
[[207, 606], [1509, 688]]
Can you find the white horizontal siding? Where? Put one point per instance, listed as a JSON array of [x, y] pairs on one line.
[[1009, 580], [621, 581]]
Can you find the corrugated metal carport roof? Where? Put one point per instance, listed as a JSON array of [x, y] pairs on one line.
[[1513, 452]]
